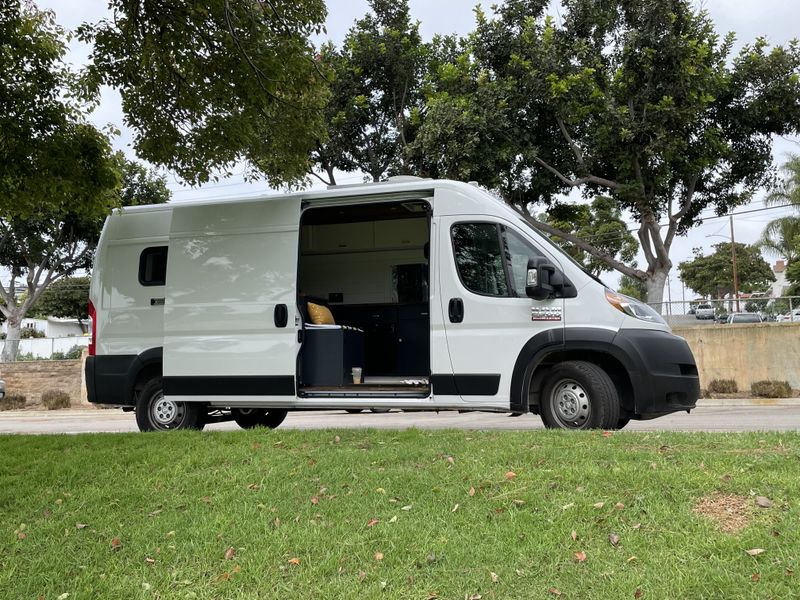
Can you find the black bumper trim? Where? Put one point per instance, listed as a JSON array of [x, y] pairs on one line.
[[230, 385], [465, 385]]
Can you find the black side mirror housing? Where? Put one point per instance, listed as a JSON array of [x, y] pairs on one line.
[[542, 279]]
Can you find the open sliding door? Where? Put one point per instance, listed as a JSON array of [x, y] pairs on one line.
[[229, 319]]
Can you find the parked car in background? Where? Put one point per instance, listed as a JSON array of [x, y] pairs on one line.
[[2, 389], [704, 311], [744, 318], [789, 316]]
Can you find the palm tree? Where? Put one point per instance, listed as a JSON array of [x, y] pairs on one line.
[[782, 236]]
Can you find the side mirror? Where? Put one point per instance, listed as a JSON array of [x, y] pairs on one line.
[[541, 279]]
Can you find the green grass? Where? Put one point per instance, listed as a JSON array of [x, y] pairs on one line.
[[178, 501]]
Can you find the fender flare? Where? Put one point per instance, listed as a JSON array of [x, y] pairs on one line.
[[148, 357]]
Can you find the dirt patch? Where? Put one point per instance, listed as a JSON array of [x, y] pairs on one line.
[[729, 512]]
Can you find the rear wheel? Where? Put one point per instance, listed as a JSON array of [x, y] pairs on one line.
[[154, 412], [247, 418], [579, 395]]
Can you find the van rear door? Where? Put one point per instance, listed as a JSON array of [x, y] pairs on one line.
[[230, 306]]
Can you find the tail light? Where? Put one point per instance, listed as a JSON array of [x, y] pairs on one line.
[[93, 329]]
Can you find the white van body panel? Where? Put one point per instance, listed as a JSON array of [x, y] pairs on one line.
[[229, 267]]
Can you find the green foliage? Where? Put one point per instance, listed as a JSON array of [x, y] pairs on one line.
[[722, 386], [599, 223], [55, 399], [141, 185], [712, 275], [771, 389], [51, 159], [28, 333], [206, 85], [376, 93], [12, 402], [633, 287], [643, 101], [67, 298]]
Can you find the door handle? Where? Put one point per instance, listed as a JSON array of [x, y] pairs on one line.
[[455, 310], [281, 315]]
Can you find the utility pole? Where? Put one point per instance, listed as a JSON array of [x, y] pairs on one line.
[[735, 272]]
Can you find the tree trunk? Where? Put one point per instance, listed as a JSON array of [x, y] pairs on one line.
[[11, 343], [656, 278]]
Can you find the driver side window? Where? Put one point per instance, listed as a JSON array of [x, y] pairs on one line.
[[518, 252]]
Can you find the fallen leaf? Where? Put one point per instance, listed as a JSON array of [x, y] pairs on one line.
[[432, 596], [474, 597], [789, 572], [393, 519], [336, 439], [372, 522], [495, 577], [638, 593], [224, 576], [755, 551], [631, 559], [154, 513], [254, 486], [230, 553], [63, 596], [568, 506], [451, 460], [116, 544], [510, 475], [599, 504], [21, 535], [614, 539], [574, 535], [580, 556], [170, 534], [431, 557], [554, 591], [580, 489], [455, 508], [637, 526], [607, 434], [518, 502], [619, 506], [763, 502], [59, 501], [381, 491], [294, 561], [81, 525], [379, 556], [149, 561], [755, 577], [471, 491], [361, 575], [314, 500], [407, 507]]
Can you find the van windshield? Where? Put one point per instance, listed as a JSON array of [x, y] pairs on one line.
[[560, 250]]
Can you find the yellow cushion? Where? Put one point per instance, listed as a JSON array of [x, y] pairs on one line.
[[320, 315]]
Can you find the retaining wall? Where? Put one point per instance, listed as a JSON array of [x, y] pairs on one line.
[[745, 353], [31, 378]]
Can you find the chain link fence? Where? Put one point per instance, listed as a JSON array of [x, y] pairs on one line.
[[727, 310]]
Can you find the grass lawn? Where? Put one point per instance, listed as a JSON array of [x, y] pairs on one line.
[[409, 514]]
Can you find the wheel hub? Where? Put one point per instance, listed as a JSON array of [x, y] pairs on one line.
[[165, 413], [570, 403]]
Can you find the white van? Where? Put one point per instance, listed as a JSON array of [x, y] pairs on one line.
[[411, 294]]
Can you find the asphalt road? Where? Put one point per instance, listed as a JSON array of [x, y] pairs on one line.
[[705, 418]]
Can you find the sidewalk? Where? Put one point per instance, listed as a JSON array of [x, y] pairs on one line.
[[748, 402]]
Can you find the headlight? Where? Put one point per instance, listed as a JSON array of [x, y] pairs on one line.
[[633, 308]]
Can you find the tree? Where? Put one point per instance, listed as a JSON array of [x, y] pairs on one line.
[[782, 237], [639, 100], [599, 223], [205, 85], [51, 244], [633, 287], [50, 158], [376, 94], [712, 275], [66, 298]]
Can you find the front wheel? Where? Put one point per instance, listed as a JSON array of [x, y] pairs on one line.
[[154, 412], [579, 395], [247, 418]]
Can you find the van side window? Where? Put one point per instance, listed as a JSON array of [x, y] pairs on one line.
[[519, 251], [479, 258], [153, 266]]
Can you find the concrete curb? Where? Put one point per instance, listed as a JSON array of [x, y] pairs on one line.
[[703, 402]]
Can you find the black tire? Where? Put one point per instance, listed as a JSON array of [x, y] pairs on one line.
[[579, 395], [155, 413], [622, 422], [248, 418], [379, 410], [353, 411]]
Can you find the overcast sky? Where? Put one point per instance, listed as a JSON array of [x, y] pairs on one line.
[[775, 19]]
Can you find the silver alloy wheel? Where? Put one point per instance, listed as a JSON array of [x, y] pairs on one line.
[[166, 414], [570, 404]]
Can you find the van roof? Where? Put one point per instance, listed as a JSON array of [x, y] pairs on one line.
[[391, 186]]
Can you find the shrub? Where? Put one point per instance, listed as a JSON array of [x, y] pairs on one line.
[[771, 389], [30, 332], [722, 386], [55, 399], [12, 402], [74, 352]]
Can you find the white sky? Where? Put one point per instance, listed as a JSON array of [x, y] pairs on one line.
[[775, 19]]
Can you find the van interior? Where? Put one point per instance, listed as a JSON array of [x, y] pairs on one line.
[[363, 274]]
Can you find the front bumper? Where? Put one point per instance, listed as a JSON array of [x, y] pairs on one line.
[[662, 370]]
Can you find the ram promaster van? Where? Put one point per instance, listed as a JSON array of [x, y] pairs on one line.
[[410, 294]]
